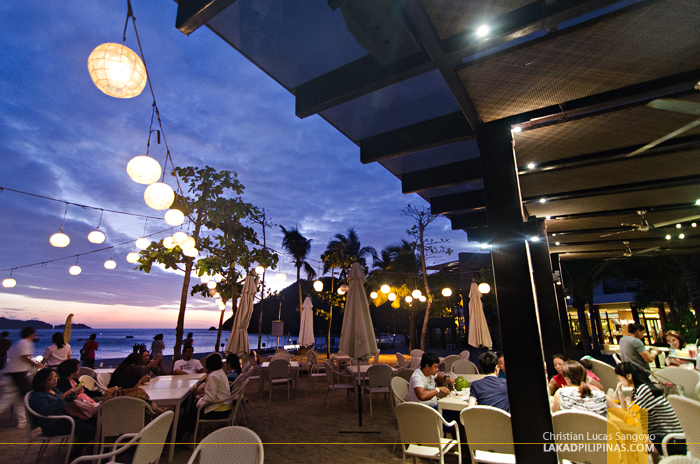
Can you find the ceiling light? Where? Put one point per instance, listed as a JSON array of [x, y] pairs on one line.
[[96, 237], [681, 236], [117, 71], [517, 129], [531, 165], [534, 239], [668, 237], [548, 217], [693, 225], [483, 30], [678, 226], [543, 200], [557, 243]]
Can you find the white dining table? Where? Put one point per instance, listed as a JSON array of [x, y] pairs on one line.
[[104, 370], [453, 403], [363, 369], [172, 390], [294, 369]]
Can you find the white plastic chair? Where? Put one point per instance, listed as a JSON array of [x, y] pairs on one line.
[[617, 359], [87, 371], [405, 374], [688, 414], [282, 355], [88, 382], [103, 379], [117, 416], [464, 354], [463, 366], [401, 361], [378, 381], [489, 434], [399, 394], [449, 361], [688, 379], [584, 424], [606, 374], [314, 368], [332, 386], [420, 427], [41, 438], [278, 372], [236, 391], [242, 446], [149, 443]]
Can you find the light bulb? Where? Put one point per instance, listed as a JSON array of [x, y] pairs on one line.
[[159, 196], [142, 243], [409, 299], [110, 264], [96, 236], [74, 270], [385, 289], [318, 286], [132, 257], [117, 71], [59, 240], [174, 217], [422, 299]]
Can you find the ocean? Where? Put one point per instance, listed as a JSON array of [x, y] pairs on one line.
[[114, 344]]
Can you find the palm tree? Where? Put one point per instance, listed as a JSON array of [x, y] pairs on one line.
[[349, 251], [299, 247]]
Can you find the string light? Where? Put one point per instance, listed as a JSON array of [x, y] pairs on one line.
[[75, 270], [385, 288], [96, 236], [447, 292], [174, 217], [9, 282], [318, 286], [374, 295], [59, 239], [132, 257]]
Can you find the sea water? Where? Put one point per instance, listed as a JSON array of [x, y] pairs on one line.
[[113, 343]]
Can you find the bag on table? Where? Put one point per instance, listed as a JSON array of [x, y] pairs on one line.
[[667, 386]]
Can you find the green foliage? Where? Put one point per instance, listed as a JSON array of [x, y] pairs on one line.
[[685, 324], [345, 250]]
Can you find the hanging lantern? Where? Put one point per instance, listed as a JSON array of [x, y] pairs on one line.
[[59, 240], [374, 295], [260, 270], [159, 196], [110, 264], [117, 71], [409, 299], [179, 238], [446, 292], [74, 270], [204, 279], [391, 296], [189, 244], [222, 306], [212, 291], [318, 286], [142, 243], [168, 243], [416, 294], [484, 288], [9, 283], [96, 236], [144, 170], [217, 295], [174, 217], [211, 284], [344, 288], [132, 257], [281, 277], [341, 291], [422, 299], [385, 288], [191, 252], [218, 277]]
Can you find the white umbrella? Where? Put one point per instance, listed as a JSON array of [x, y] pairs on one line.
[[306, 329], [238, 341], [479, 334]]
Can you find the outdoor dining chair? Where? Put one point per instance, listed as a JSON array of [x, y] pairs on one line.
[[378, 381], [399, 394], [331, 375], [236, 393], [314, 368], [582, 423], [489, 434], [242, 446], [449, 361], [688, 379], [88, 382], [375, 359], [149, 443], [420, 430], [282, 355], [87, 371], [103, 379], [278, 373], [464, 354], [117, 416], [406, 374], [688, 414], [606, 374], [463, 366], [41, 438], [401, 361]]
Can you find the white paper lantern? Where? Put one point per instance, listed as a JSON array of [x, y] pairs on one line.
[[144, 170], [59, 239], [117, 71], [110, 264], [211, 284], [132, 257], [344, 288], [9, 283], [259, 270], [374, 295], [484, 288], [159, 196], [74, 270], [174, 217], [96, 236], [318, 286], [189, 244], [446, 291], [217, 295], [191, 252], [422, 299], [179, 238], [409, 299], [204, 279], [391, 296], [218, 277], [385, 288], [416, 294], [222, 306], [142, 243], [340, 291], [168, 243], [281, 277]]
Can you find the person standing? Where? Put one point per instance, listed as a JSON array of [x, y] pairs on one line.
[[157, 347], [89, 349], [632, 348], [5, 345], [18, 367]]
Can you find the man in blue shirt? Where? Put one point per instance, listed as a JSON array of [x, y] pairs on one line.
[[491, 390]]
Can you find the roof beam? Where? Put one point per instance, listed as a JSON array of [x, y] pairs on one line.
[[462, 202], [624, 211], [461, 172], [366, 75], [432, 133], [192, 14], [469, 221]]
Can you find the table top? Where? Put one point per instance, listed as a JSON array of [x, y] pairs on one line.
[[469, 377], [453, 403], [344, 358], [292, 364], [363, 369], [171, 387], [104, 370]]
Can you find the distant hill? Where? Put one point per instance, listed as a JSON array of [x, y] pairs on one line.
[[74, 326], [12, 324]]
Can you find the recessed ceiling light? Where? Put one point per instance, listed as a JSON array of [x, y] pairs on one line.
[[532, 166], [694, 225], [516, 130], [668, 237], [543, 200], [681, 236], [535, 239], [556, 243], [678, 226], [483, 30], [548, 217]]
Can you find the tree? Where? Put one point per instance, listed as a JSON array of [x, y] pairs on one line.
[[349, 250], [262, 221], [299, 247], [426, 246]]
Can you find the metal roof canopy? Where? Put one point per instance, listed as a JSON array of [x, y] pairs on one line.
[[410, 83]]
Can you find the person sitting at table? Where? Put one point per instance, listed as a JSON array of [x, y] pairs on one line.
[[491, 390], [130, 385], [149, 366], [232, 366], [68, 374], [187, 365], [675, 342], [47, 400], [501, 366], [632, 348], [58, 352], [134, 359], [660, 416], [216, 400], [422, 387], [558, 380], [577, 394]]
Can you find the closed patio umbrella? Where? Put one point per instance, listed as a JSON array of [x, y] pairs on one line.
[[238, 341], [68, 329], [479, 334], [306, 329], [357, 336]]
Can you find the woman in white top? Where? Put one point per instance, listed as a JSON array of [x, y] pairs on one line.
[[578, 394], [58, 352]]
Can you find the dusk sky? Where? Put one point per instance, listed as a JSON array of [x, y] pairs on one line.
[[60, 137]]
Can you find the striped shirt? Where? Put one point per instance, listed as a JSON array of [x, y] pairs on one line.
[[571, 399], [661, 418]]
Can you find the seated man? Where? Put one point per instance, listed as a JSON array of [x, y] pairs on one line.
[[187, 365], [632, 348], [422, 388], [491, 390]]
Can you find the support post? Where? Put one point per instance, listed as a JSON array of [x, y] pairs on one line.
[[531, 417], [564, 319]]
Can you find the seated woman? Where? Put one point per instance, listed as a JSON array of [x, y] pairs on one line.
[[558, 381], [216, 400], [660, 416], [232, 367], [676, 342], [68, 373], [129, 385], [58, 352], [577, 394], [134, 359], [47, 400]]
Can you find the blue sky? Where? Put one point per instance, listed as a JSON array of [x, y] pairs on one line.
[[62, 138]]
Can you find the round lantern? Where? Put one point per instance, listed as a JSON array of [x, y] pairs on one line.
[[374, 295], [180, 238], [74, 270], [96, 237], [385, 288], [409, 299], [260, 270], [204, 279], [217, 295], [212, 291], [218, 277], [416, 294], [110, 264], [174, 217], [142, 243], [281, 277], [168, 243], [422, 299], [189, 244], [144, 170], [341, 291], [9, 283], [344, 288], [59, 239], [132, 257], [117, 71], [211, 284], [484, 288], [318, 286], [191, 252], [391, 296], [446, 291], [159, 196]]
